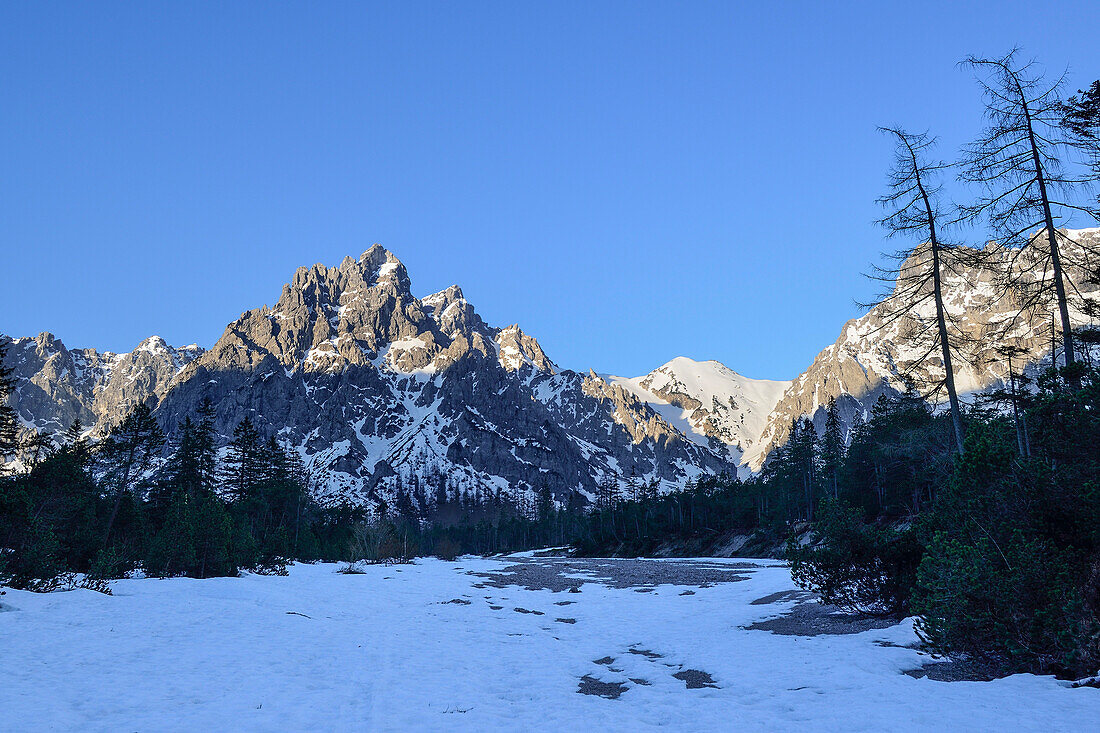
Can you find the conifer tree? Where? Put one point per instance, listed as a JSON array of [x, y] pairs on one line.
[[832, 447], [206, 444], [73, 436], [245, 461], [9, 424], [127, 455]]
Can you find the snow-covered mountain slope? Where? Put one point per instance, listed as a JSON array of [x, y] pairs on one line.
[[872, 353], [709, 402]]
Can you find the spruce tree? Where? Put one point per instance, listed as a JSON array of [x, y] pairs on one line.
[[832, 448], [244, 462], [206, 437]]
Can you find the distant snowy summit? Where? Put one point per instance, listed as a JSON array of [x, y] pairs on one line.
[[709, 402], [376, 388]]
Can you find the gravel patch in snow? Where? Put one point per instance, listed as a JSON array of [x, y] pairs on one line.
[[569, 574], [816, 619]]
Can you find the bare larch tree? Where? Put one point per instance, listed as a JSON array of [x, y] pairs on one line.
[[1023, 160], [913, 210]]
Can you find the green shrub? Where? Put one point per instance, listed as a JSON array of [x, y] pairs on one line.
[[35, 563], [1012, 571], [856, 566]]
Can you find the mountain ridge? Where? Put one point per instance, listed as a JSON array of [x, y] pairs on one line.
[[371, 384]]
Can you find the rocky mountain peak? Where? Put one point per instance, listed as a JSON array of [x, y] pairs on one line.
[[517, 351], [709, 402], [454, 314], [329, 317]]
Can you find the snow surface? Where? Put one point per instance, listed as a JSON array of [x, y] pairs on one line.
[[385, 650]]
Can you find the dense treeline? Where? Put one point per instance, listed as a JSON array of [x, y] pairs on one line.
[[104, 509], [888, 465]]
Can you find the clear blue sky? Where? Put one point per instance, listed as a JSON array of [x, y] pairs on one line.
[[628, 181]]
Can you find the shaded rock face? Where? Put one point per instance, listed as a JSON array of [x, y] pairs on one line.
[[871, 355], [373, 385]]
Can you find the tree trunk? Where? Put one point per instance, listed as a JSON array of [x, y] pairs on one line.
[[945, 346], [1052, 240]]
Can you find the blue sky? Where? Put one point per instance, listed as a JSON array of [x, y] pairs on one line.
[[628, 181]]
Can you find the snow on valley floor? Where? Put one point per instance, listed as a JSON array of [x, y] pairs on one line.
[[517, 643]]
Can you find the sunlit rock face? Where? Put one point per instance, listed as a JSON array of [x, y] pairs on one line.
[[872, 354]]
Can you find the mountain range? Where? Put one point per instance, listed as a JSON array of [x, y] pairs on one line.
[[372, 386]]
